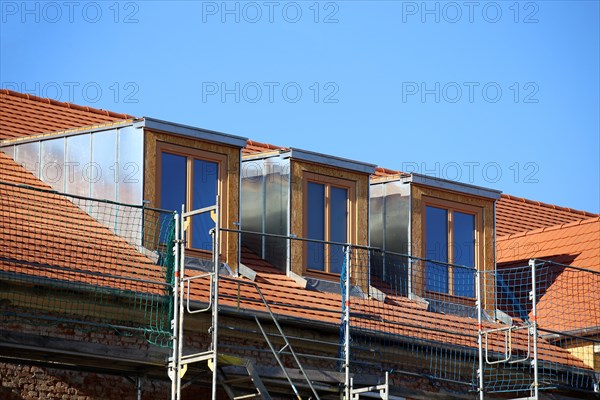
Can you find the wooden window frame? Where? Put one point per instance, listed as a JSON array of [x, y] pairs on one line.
[[192, 154], [451, 207], [328, 182]]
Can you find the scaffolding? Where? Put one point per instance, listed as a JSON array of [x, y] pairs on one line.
[[94, 265], [385, 329], [391, 324], [181, 293], [543, 305]]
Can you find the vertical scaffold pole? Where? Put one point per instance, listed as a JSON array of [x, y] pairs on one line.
[[347, 323], [179, 275], [174, 367], [215, 310], [480, 331], [138, 387], [409, 287], [533, 330]]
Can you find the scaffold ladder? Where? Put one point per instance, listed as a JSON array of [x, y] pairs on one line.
[[259, 391], [383, 389], [287, 345], [178, 362]]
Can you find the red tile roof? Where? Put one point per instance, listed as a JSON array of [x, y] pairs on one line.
[[47, 229], [405, 318], [572, 301], [254, 147], [516, 214], [23, 115], [41, 228], [381, 172]]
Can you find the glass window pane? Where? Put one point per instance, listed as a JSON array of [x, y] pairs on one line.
[[103, 166], [376, 214], [173, 184], [28, 155], [130, 159], [9, 151], [338, 227], [436, 243], [464, 254], [53, 163], [376, 228], [206, 178], [276, 203], [316, 225], [397, 206], [253, 205], [77, 166], [464, 239]]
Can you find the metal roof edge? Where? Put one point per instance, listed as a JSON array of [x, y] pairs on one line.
[[452, 185], [81, 130], [333, 161], [194, 132]]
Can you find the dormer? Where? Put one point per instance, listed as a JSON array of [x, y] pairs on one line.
[[445, 228], [307, 195], [191, 166], [144, 161]]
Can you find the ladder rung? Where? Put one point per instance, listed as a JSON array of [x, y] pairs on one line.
[[247, 396], [192, 358], [369, 389], [237, 380], [524, 398], [283, 348]]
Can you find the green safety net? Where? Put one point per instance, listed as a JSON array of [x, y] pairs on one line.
[[86, 264]]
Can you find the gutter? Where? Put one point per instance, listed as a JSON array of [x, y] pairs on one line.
[[553, 336]]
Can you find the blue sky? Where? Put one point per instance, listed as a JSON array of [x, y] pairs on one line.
[[499, 94]]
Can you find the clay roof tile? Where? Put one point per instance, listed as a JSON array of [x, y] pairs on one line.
[[24, 114]]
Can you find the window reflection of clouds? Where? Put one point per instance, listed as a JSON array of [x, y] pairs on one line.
[[28, 155], [102, 165]]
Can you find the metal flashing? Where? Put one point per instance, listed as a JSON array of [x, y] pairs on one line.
[[376, 294], [196, 133], [82, 130], [452, 186], [247, 272], [298, 279], [333, 161]]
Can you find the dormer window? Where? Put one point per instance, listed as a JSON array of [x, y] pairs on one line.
[[305, 195], [450, 238], [449, 224], [190, 177], [327, 209], [190, 166]]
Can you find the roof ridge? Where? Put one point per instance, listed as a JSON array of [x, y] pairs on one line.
[[530, 232], [547, 205], [66, 104], [386, 172], [267, 146]]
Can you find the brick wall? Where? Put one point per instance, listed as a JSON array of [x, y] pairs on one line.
[[33, 383], [23, 382]]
